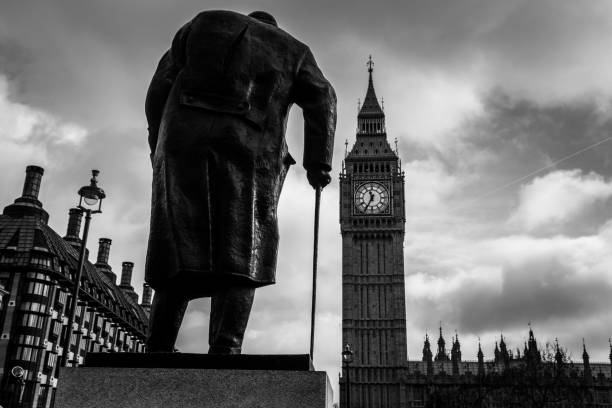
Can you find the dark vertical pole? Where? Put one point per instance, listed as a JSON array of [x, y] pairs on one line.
[[314, 270], [77, 287], [348, 386]]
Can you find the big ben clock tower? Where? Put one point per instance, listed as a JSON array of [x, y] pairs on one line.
[[372, 225]]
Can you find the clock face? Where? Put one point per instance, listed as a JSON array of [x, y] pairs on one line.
[[371, 198]]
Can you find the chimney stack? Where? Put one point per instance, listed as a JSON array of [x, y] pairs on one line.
[[103, 250], [74, 228], [31, 186], [126, 280], [147, 294], [75, 216], [126, 275], [103, 255], [28, 204]]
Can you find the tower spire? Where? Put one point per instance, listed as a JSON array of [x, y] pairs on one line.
[[441, 354], [586, 365], [371, 117], [558, 354], [480, 361]]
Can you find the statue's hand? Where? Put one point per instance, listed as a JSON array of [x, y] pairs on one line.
[[318, 178]]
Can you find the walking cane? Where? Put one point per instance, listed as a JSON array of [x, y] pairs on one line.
[[314, 270]]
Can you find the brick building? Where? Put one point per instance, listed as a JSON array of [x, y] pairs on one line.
[[37, 271]]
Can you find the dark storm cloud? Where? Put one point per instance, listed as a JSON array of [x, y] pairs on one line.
[[513, 140], [540, 290], [13, 59], [551, 130], [80, 48]]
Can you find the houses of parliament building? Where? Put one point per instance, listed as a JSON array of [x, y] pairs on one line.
[[379, 375]]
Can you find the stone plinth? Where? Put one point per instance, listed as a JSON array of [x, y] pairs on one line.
[[290, 362], [167, 387]]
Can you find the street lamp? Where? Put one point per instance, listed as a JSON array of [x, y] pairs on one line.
[[17, 372], [347, 359], [90, 202]]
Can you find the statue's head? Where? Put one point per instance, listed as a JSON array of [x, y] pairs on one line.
[[264, 17]]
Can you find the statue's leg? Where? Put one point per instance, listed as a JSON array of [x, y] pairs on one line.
[[229, 315], [167, 313]]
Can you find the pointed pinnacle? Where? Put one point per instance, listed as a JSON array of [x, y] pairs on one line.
[[370, 64]]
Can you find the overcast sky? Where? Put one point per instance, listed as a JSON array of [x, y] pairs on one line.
[[502, 110]]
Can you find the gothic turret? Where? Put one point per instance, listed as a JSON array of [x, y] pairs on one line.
[[558, 354], [481, 370], [496, 354], [427, 355], [532, 354], [456, 355], [426, 349], [587, 373], [503, 352], [441, 354]]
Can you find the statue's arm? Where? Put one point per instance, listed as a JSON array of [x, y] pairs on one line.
[[317, 98], [167, 70], [156, 97]]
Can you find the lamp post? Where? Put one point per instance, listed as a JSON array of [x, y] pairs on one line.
[[90, 202], [347, 359], [17, 373]]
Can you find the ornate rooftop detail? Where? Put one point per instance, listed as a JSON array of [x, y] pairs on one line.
[[370, 106], [371, 117]]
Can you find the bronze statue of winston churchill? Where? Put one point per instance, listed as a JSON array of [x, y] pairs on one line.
[[217, 111]]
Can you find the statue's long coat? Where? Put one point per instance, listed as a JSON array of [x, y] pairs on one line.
[[217, 110]]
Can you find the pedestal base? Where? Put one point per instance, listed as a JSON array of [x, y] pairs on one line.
[[146, 387]]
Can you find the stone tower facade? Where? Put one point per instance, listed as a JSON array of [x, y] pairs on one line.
[[373, 296]]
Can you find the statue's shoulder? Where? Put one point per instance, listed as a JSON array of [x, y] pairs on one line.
[[215, 19], [211, 19], [221, 15]]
